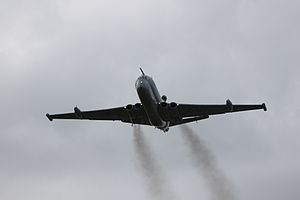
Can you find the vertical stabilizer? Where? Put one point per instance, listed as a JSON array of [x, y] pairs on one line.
[[142, 71]]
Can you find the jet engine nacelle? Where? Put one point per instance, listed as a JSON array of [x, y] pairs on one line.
[[164, 111], [137, 106], [131, 107], [133, 111], [164, 105], [173, 105], [174, 113], [169, 112]]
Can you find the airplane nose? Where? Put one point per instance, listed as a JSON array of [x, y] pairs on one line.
[[142, 84]]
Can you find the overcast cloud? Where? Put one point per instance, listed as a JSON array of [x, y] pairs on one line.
[[55, 55]]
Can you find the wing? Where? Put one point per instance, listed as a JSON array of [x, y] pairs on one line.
[[186, 113], [190, 110], [134, 116]]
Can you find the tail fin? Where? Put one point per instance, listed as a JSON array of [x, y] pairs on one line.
[[142, 71]]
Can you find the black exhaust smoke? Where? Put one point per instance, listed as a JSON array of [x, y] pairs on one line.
[[218, 184], [150, 169]]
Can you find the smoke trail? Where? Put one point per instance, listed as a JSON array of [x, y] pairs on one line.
[[218, 184], [150, 168]]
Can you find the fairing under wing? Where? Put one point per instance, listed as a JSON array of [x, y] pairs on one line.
[[188, 120]]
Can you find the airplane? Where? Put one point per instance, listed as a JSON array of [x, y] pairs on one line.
[[153, 110]]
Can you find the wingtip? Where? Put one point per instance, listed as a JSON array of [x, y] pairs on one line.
[[49, 117], [264, 107]]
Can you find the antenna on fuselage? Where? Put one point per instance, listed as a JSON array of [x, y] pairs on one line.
[[142, 71]]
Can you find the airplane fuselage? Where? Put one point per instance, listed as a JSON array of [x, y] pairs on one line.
[[150, 99]]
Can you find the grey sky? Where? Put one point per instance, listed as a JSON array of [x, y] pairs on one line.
[[55, 55]]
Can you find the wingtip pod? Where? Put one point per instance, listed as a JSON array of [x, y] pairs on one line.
[[264, 107], [49, 117]]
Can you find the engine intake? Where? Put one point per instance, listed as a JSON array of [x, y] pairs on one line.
[[173, 105], [138, 106], [163, 104], [129, 107]]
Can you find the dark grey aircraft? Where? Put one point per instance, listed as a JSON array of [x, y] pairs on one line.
[[154, 109]]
